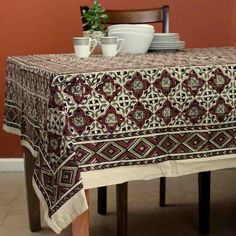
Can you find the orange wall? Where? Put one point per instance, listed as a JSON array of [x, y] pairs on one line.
[[40, 26]]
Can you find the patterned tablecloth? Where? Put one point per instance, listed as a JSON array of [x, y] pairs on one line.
[[87, 115]]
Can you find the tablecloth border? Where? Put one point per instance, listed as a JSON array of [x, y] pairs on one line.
[[98, 178], [67, 213], [105, 177]]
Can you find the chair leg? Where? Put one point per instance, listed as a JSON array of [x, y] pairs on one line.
[[102, 201], [204, 186], [122, 208], [162, 191], [32, 199]]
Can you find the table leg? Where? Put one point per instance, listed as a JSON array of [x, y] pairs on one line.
[[32, 199], [102, 200], [122, 208], [204, 185], [80, 225], [162, 191]]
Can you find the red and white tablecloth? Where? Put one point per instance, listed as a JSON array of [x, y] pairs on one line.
[[101, 121]]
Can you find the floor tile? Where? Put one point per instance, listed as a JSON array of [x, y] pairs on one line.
[[17, 218], [145, 217]]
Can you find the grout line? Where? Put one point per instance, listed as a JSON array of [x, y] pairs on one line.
[[4, 218]]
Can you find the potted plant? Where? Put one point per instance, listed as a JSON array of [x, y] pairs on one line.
[[94, 21]]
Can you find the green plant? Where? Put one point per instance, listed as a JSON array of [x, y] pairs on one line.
[[95, 17]]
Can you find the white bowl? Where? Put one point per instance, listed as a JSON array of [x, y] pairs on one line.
[[129, 26], [133, 30], [134, 43]]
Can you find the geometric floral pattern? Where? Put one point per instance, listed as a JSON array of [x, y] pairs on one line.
[[139, 114], [193, 83], [166, 82], [78, 122], [111, 119], [194, 112], [78, 89], [167, 112], [219, 80], [137, 85], [221, 109], [81, 115], [108, 88]]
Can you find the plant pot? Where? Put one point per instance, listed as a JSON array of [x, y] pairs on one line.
[[94, 35]]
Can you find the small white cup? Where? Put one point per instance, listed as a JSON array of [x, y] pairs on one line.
[[84, 46], [111, 46]]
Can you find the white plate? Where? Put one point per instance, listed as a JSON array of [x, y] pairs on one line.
[[166, 35], [169, 37], [166, 48], [167, 45], [165, 41], [159, 48]]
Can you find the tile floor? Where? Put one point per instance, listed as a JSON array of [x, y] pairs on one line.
[[179, 218]]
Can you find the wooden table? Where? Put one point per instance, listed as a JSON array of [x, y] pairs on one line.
[[101, 121]]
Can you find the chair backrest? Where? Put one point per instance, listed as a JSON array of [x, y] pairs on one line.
[[141, 16]]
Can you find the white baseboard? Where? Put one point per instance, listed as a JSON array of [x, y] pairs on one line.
[[11, 164]]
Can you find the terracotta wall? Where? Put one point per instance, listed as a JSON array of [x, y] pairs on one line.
[[40, 26]]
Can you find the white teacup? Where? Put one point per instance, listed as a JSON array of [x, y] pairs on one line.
[[111, 46], [84, 46]]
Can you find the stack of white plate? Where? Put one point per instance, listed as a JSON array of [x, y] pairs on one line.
[[137, 38], [166, 41]]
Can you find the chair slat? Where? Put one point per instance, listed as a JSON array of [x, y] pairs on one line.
[[134, 17], [141, 16]]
